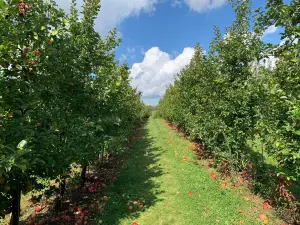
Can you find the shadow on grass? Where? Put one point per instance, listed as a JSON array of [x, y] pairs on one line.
[[134, 191], [134, 188]]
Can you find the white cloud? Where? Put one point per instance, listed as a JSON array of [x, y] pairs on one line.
[[157, 71], [130, 50], [176, 3], [268, 62], [142, 51], [291, 40], [200, 5], [174, 54], [131, 53], [113, 12], [270, 30], [123, 58]]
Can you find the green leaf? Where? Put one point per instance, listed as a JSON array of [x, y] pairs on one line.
[[297, 132], [43, 27], [2, 5], [23, 167], [54, 32], [294, 60], [36, 37], [22, 144]]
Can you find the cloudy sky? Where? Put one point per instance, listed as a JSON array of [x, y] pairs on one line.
[[159, 35]]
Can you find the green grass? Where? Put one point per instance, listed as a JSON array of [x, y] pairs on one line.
[[156, 174]]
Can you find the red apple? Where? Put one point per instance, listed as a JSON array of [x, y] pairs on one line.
[[34, 62], [68, 218], [92, 189], [38, 208]]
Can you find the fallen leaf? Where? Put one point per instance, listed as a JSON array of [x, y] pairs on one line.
[[185, 158], [223, 185], [204, 213], [241, 211], [263, 216], [267, 205], [213, 176], [190, 193]]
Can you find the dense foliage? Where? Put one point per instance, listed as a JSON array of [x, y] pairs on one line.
[[63, 97], [228, 99]]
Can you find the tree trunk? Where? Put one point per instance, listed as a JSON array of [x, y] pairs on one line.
[[62, 188], [16, 205], [59, 198], [83, 174]]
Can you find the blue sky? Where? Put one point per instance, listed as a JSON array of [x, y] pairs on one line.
[[159, 35]]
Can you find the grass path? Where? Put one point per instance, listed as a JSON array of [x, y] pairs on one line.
[[173, 192]]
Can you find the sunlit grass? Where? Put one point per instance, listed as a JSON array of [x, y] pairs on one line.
[[174, 191]]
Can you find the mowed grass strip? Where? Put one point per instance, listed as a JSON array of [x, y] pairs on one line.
[[162, 183]]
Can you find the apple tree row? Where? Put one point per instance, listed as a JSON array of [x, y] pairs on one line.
[[63, 96]]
